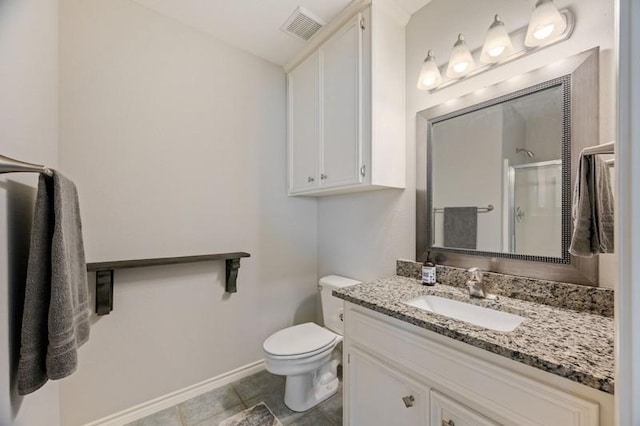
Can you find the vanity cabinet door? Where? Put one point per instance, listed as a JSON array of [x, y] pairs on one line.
[[341, 76], [447, 412], [382, 396], [304, 125]]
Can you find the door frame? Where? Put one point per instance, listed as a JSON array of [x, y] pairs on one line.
[[628, 215]]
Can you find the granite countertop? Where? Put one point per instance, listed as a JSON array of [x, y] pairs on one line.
[[576, 345]]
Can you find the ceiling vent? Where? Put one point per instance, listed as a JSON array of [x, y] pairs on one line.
[[302, 24]]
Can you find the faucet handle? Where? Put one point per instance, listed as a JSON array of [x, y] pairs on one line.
[[475, 274]]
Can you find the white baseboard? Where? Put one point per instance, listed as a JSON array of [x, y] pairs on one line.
[[169, 400]]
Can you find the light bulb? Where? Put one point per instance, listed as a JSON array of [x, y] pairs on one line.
[[460, 67], [497, 44], [543, 32], [461, 62], [546, 24], [428, 81], [430, 76], [494, 52]]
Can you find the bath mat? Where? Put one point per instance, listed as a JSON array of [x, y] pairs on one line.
[[258, 415]]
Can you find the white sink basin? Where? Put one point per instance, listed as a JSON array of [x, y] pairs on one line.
[[477, 315]]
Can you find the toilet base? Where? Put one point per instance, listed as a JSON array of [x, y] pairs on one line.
[[305, 391]]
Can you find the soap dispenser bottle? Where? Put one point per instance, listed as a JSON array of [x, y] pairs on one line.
[[428, 271]]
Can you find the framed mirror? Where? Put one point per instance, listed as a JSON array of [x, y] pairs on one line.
[[496, 173]]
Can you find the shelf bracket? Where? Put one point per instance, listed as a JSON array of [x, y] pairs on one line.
[[104, 292], [105, 271], [232, 275]]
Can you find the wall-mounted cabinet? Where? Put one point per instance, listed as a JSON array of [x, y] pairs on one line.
[[346, 106]]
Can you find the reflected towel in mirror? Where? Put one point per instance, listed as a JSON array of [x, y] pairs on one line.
[[461, 227]]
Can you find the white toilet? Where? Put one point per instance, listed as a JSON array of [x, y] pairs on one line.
[[305, 353]]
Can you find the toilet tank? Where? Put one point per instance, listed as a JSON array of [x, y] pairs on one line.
[[332, 307]]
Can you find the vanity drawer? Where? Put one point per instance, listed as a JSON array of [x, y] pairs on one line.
[[447, 412], [500, 394]]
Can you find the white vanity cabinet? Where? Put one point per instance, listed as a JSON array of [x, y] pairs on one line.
[[448, 412], [388, 362], [346, 108], [381, 395]]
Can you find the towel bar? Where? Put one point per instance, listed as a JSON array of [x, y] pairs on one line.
[[105, 272], [605, 148], [487, 209], [11, 165]]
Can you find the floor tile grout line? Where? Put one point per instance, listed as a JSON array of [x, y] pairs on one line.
[[245, 401], [239, 396], [319, 408], [180, 415], [324, 415], [200, 422]]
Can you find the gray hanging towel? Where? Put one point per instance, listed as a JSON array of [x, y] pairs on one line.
[[56, 313], [461, 227], [593, 223]]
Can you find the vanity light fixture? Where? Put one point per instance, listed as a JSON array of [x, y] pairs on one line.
[[546, 24], [430, 76], [497, 44], [461, 62]]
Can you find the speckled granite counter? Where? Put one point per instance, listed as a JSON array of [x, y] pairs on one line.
[[574, 345]]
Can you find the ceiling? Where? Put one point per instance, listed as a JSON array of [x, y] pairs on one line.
[[254, 25]]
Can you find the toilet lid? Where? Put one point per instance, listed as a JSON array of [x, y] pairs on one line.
[[299, 339]]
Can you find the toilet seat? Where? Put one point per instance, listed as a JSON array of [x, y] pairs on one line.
[[300, 341]]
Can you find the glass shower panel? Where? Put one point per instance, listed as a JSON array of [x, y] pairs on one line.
[[536, 209]]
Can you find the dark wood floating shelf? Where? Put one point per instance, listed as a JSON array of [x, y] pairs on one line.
[[104, 273]]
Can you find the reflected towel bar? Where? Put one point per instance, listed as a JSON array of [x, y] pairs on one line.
[[11, 165], [105, 271], [487, 209]]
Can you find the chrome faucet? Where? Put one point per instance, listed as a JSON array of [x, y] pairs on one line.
[[477, 287]]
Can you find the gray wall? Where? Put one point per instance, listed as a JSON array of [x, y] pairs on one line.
[[177, 143]]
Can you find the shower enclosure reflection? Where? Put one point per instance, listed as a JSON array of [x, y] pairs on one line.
[[535, 208], [496, 176]]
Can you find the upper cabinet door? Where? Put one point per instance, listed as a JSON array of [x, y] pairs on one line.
[[304, 125], [341, 62]]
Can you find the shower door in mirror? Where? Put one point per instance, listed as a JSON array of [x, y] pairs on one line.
[[535, 208]]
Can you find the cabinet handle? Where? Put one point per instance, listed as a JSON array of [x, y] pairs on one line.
[[448, 423], [408, 401], [310, 179], [363, 170], [323, 176]]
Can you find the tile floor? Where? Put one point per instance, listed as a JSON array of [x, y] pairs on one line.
[[211, 408]]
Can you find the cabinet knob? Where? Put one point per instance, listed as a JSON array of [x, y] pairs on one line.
[[448, 423], [408, 401], [310, 179], [323, 176]]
